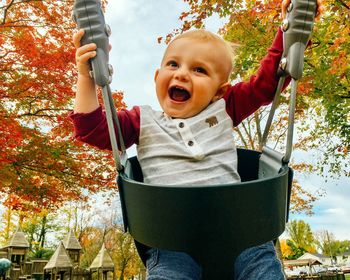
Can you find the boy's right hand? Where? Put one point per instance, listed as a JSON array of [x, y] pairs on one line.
[[83, 54]]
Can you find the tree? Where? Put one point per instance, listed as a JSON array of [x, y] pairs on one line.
[[119, 244], [286, 250], [8, 226], [297, 252], [123, 252], [91, 242], [37, 229], [41, 165], [331, 87], [301, 238], [329, 246]]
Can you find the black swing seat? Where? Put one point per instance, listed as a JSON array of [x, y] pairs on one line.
[[211, 223]]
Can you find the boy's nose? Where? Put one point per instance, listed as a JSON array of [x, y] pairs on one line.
[[181, 74]]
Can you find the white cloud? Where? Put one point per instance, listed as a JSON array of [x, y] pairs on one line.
[[335, 211], [332, 211], [121, 9]]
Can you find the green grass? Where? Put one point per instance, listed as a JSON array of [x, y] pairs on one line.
[[347, 276]]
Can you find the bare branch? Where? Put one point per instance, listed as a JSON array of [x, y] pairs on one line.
[[343, 4], [280, 136], [241, 137], [6, 10], [38, 112], [247, 131], [258, 129]]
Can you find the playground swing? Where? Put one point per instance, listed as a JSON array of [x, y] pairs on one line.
[[212, 223]]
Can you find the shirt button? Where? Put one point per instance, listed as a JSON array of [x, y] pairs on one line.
[[181, 124], [190, 143]]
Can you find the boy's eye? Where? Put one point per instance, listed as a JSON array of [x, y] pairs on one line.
[[200, 70], [172, 63]]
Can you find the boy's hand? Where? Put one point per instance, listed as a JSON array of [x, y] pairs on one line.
[[83, 54], [319, 8]]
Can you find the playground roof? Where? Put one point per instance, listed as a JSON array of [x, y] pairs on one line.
[[18, 240], [71, 242], [102, 260], [59, 259], [304, 262]]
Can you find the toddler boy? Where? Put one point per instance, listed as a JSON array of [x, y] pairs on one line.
[[190, 142]]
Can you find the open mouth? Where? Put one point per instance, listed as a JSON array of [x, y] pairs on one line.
[[178, 94]]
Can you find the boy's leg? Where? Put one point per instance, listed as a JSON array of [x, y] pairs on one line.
[[168, 265], [258, 263]]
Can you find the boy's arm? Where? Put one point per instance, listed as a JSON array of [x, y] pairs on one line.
[[85, 98], [91, 128], [245, 98], [90, 124]]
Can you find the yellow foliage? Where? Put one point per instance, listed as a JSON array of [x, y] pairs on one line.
[[285, 249]]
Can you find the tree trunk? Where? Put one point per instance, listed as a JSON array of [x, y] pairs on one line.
[[43, 232], [30, 240], [8, 225], [122, 273]]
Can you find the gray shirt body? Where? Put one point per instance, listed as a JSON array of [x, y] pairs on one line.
[[195, 151]]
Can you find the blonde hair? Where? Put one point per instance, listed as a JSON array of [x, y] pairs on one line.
[[203, 35]]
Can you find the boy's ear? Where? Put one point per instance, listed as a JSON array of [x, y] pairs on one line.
[[156, 74], [221, 91]]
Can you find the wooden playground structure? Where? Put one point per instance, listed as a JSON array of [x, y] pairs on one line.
[[64, 263]]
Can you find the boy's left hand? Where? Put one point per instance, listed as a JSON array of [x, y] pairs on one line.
[[319, 8]]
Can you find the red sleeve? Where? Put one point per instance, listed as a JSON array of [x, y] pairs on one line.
[[91, 128], [244, 98]]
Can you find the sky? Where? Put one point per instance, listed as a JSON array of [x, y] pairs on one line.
[[135, 56], [135, 53]]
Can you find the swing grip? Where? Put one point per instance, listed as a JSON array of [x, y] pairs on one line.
[[89, 16], [297, 27]]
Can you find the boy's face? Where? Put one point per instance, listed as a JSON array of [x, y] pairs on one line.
[[191, 76]]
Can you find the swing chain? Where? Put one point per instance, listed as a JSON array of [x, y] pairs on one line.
[[297, 28], [89, 16]]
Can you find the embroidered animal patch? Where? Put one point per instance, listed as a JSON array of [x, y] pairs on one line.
[[212, 121]]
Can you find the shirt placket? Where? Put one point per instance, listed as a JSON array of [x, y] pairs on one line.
[[188, 139]]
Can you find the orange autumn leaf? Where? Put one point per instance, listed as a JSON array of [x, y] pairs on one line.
[[41, 165]]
